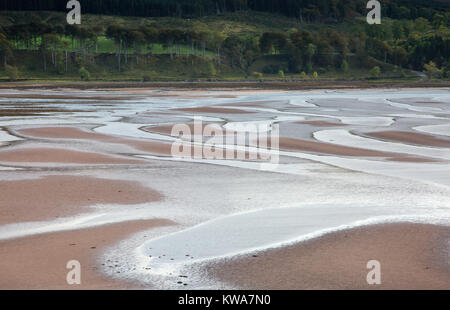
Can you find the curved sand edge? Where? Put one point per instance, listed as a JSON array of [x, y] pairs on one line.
[[412, 256], [39, 262], [60, 155], [56, 196], [413, 138]]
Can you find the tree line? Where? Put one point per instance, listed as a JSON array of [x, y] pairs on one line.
[[305, 10], [403, 43]]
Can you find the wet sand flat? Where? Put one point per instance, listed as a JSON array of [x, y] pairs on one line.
[[108, 143], [321, 123], [63, 97], [325, 148], [167, 129], [63, 133], [70, 133], [410, 138], [412, 256], [331, 149], [39, 262], [148, 146], [59, 196], [214, 110], [54, 155]]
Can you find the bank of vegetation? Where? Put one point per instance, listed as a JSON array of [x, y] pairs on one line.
[[226, 40]]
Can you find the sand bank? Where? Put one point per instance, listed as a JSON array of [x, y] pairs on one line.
[[154, 147], [39, 262], [320, 123], [214, 110], [55, 155], [58, 196], [410, 138], [333, 149], [412, 256]]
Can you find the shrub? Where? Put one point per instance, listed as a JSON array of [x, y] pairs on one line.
[[211, 69], [84, 74], [258, 75], [12, 72], [273, 69], [375, 72], [432, 70], [270, 69], [315, 75], [281, 74], [344, 66], [447, 75], [147, 77], [308, 67]]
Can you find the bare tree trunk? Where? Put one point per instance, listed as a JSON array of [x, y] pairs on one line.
[[119, 55], [218, 53], [126, 52]]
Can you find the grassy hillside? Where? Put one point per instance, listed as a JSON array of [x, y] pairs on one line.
[[202, 60]]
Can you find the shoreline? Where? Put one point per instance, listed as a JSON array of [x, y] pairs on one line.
[[228, 85]]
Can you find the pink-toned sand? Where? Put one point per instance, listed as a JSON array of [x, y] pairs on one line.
[[39, 262], [161, 148], [225, 96], [63, 133], [214, 110], [66, 97], [51, 197], [153, 147], [167, 129], [410, 138], [412, 256], [320, 123], [55, 155], [333, 149]]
